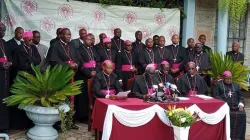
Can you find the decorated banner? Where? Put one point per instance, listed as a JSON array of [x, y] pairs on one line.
[[48, 15]]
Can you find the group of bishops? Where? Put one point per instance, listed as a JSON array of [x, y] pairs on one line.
[[111, 63]]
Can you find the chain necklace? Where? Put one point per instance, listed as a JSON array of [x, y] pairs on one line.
[[91, 56], [66, 52], [151, 59], [230, 92], [107, 82], [175, 53], [118, 46]]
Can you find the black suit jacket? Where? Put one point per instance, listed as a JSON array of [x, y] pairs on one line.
[[240, 56]]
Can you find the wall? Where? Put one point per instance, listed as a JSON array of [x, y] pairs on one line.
[[247, 49], [205, 20]]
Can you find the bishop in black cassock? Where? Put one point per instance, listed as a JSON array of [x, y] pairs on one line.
[[79, 41], [105, 83], [190, 83], [57, 36], [235, 54], [138, 47], [190, 48], [5, 64], [230, 92], [117, 42], [100, 45], [162, 52], [63, 52], [107, 53], [177, 56], [202, 39], [202, 62], [13, 44], [126, 64], [90, 66], [25, 55], [142, 87], [163, 74], [148, 55]]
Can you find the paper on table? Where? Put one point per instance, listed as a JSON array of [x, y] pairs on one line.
[[204, 97], [183, 98], [124, 93]]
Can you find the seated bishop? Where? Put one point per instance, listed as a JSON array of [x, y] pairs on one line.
[[230, 92], [143, 86], [191, 83], [105, 83]]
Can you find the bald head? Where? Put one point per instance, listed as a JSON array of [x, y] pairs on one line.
[[162, 41], [108, 67], [117, 32], [149, 43], [191, 68], [138, 36], [235, 46], [102, 36], [175, 39], [18, 33], [190, 43]]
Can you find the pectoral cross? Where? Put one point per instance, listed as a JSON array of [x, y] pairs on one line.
[[197, 68], [108, 92], [174, 60], [131, 67], [230, 94]]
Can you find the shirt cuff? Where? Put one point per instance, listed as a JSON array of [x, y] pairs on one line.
[[241, 104], [107, 96]]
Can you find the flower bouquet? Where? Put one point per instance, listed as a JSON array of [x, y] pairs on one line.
[[181, 120]]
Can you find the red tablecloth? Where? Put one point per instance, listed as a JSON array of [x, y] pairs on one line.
[[155, 129]]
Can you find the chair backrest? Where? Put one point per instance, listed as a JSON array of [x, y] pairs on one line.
[[90, 91], [130, 81]]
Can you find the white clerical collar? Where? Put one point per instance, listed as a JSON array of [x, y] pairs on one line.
[[149, 49], [199, 54], [26, 45], [108, 49], [175, 45], [37, 45], [81, 40], [18, 41], [106, 74], [127, 51], [64, 43], [161, 47]]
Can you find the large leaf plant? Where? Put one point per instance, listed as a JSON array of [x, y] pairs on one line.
[[48, 89], [221, 63]]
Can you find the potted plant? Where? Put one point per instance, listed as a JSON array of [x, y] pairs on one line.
[[44, 97], [181, 120], [221, 63]]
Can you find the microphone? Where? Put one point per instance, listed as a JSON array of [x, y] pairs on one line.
[[155, 89]]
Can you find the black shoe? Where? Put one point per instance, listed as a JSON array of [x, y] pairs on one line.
[[75, 127]]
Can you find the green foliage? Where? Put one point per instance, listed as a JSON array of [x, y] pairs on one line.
[[180, 117], [47, 90], [221, 63], [236, 9], [67, 118]]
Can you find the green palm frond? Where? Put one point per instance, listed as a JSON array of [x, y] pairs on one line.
[[221, 63], [43, 89]]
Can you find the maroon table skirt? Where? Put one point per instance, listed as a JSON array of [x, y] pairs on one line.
[[155, 129]]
